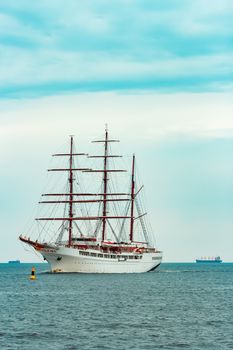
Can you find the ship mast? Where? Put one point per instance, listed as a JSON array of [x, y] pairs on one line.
[[71, 179], [105, 180], [105, 170], [70, 193], [132, 200]]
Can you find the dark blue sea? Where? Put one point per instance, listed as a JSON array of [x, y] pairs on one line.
[[178, 306]]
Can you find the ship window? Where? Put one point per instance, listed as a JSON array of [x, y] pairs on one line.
[[130, 256], [83, 253], [107, 256], [100, 255], [93, 254], [113, 256]]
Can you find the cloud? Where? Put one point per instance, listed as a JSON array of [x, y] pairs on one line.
[[158, 115], [47, 48], [44, 73]]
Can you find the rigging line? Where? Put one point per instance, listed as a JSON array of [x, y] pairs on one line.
[[30, 249], [114, 234], [78, 228], [77, 209], [123, 231], [98, 223], [123, 221], [45, 231], [119, 224], [86, 226], [152, 240], [129, 186], [49, 177], [56, 233], [85, 211], [150, 234], [61, 233], [98, 228], [62, 226], [30, 229], [59, 179], [27, 227], [145, 220], [114, 185], [26, 247], [76, 206], [84, 208], [149, 229], [48, 228], [41, 230], [39, 255], [141, 221], [116, 206]]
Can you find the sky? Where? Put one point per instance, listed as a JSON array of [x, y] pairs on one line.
[[159, 73]]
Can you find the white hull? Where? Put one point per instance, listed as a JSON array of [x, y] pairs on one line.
[[66, 259]]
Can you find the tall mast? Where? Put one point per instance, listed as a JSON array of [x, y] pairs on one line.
[[132, 200], [105, 179], [71, 179], [70, 194]]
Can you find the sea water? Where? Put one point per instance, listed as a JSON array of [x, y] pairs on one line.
[[178, 306]]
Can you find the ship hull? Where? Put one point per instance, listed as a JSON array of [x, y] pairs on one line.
[[67, 260]]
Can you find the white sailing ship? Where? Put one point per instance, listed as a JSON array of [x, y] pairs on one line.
[[102, 231]]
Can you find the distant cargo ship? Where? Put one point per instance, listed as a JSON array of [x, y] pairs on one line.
[[216, 259], [14, 262]]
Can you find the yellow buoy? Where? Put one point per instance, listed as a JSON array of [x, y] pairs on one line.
[[33, 274]]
